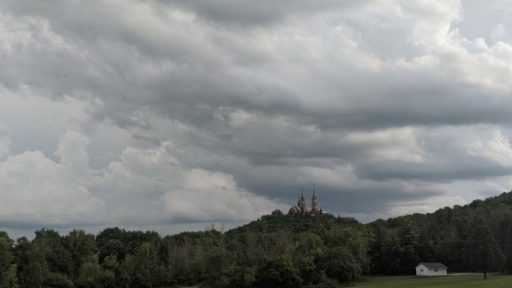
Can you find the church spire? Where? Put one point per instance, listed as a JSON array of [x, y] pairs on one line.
[[302, 209], [302, 202], [314, 202]]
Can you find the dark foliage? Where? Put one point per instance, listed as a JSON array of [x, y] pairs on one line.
[[274, 251], [471, 238]]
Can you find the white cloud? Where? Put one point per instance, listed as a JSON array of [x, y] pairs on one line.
[[72, 154], [35, 122], [38, 191], [498, 32], [152, 181], [226, 201], [5, 143], [493, 145], [147, 186]]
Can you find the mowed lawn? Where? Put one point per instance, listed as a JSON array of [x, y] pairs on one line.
[[451, 281]]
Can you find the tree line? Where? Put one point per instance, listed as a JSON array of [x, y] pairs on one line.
[[276, 250], [471, 238]]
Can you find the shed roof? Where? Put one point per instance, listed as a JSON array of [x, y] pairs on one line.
[[433, 265]]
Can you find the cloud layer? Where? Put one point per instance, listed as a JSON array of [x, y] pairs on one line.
[[147, 113]]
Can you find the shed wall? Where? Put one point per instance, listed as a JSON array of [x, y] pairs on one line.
[[422, 270]]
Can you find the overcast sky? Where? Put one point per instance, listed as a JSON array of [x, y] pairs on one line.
[[171, 114]]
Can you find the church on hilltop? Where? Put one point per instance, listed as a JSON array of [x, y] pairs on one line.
[[302, 209]]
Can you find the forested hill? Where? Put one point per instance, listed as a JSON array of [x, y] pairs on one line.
[[474, 237], [276, 250], [277, 221]]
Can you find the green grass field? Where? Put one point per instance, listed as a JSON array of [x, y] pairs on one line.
[[451, 281]]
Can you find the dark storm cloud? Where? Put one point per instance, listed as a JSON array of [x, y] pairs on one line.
[[347, 199], [196, 75], [247, 12], [441, 170], [375, 103]]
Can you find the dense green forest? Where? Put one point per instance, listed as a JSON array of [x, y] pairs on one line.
[[274, 251]]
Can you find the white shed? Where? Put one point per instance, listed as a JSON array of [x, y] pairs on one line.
[[431, 269]]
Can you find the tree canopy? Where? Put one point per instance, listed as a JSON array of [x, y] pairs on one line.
[[276, 250]]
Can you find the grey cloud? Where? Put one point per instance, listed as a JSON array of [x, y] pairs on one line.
[[358, 100], [259, 13], [266, 96], [448, 170], [347, 198]]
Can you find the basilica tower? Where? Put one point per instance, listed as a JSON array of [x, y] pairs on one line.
[[302, 209], [314, 203], [302, 203]]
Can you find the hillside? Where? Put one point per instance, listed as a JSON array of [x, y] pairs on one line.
[[452, 235], [456, 236], [278, 221]]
